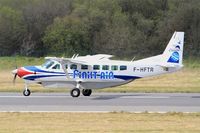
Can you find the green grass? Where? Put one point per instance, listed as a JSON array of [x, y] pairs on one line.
[[186, 80], [99, 123], [9, 63]]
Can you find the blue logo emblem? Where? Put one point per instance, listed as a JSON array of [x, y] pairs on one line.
[[177, 48], [174, 58], [93, 75]]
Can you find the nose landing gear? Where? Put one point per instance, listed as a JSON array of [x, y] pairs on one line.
[[26, 92]]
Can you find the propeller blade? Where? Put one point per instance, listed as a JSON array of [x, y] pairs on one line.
[[15, 76]]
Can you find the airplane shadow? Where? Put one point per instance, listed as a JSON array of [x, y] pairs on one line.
[[113, 96], [195, 97]]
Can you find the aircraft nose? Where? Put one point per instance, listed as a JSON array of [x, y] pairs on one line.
[[14, 71], [18, 72], [21, 72], [24, 71]]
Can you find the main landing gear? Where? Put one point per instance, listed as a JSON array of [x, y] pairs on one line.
[[76, 92], [86, 92]]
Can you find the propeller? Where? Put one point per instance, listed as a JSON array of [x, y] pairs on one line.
[[15, 75], [15, 71]]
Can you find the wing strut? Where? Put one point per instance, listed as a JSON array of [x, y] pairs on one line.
[[64, 68]]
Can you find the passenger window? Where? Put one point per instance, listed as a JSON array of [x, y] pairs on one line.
[[84, 67], [123, 68], [105, 67], [57, 66], [73, 66], [114, 67], [96, 67]]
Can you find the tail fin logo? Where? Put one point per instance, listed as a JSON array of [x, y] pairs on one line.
[[174, 58], [177, 48]]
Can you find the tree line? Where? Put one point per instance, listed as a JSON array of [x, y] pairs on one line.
[[125, 28]]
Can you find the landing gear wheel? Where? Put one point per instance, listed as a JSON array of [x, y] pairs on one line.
[[75, 92], [86, 92], [26, 92]]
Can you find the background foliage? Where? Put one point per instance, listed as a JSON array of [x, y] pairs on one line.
[[125, 28]]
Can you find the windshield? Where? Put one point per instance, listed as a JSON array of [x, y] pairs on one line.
[[56, 66], [48, 64]]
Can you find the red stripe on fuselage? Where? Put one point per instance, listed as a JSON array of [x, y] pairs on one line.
[[21, 72]]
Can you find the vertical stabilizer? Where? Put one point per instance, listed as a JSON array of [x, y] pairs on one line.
[[173, 53]]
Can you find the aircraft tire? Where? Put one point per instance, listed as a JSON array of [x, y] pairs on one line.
[[75, 92], [86, 92], [26, 92]]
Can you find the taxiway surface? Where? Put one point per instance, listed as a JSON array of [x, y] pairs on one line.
[[102, 102]]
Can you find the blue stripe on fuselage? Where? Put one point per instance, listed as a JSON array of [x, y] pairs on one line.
[[33, 77], [40, 76], [125, 77]]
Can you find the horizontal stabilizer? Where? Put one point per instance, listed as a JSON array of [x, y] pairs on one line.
[[169, 65]]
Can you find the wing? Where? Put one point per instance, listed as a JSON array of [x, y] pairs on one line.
[[68, 60]]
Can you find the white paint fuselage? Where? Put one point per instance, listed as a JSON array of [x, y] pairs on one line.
[[93, 79]]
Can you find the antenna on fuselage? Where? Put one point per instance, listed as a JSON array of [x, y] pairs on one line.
[[133, 59], [73, 56], [76, 56]]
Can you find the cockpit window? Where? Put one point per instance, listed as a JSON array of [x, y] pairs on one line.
[[57, 66], [48, 64]]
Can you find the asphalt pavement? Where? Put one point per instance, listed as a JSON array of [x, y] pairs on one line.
[[101, 102]]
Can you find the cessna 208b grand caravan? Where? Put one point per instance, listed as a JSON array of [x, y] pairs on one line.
[[84, 73]]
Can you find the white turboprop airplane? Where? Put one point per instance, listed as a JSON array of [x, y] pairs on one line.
[[98, 71]]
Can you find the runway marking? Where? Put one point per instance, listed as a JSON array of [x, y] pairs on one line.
[[134, 112], [146, 97], [34, 96], [122, 97]]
